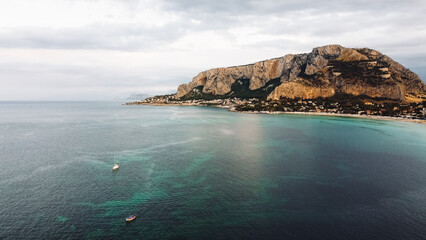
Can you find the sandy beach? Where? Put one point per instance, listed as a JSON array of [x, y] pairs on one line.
[[344, 115]]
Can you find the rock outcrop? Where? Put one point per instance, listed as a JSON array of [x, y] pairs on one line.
[[298, 90], [324, 72]]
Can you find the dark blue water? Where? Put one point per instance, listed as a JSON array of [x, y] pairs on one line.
[[205, 173]]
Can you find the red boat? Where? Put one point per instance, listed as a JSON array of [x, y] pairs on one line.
[[130, 218]]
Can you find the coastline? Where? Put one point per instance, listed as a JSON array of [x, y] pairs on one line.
[[374, 117], [161, 104]]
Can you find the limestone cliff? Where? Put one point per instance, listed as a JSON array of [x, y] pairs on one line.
[[324, 72]]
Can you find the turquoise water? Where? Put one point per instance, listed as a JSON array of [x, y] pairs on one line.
[[205, 173]]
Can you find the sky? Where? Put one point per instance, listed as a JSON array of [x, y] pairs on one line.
[[100, 50]]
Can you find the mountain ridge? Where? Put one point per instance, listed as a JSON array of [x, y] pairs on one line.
[[324, 72]]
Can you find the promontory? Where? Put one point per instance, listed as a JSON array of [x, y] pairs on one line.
[[329, 74]]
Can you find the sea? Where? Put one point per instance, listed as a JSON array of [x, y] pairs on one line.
[[205, 173]]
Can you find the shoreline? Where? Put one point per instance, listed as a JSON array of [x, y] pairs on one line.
[[374, 117]]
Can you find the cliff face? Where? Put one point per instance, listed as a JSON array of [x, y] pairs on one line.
[[324, 72]]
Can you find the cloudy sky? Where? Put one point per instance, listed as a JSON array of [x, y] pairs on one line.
[[110, 49]]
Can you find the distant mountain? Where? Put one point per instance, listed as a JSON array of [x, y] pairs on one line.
[[138, 96], [324, 72]]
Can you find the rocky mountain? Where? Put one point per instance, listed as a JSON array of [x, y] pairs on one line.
[[324, 72]]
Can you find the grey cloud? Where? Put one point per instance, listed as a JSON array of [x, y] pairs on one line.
[[301, 16], [295, 17], [260, 7], [97, 36]]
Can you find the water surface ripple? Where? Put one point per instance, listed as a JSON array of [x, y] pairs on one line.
[[205, 173]]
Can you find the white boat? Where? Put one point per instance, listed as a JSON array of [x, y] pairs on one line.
[[115, 167]]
